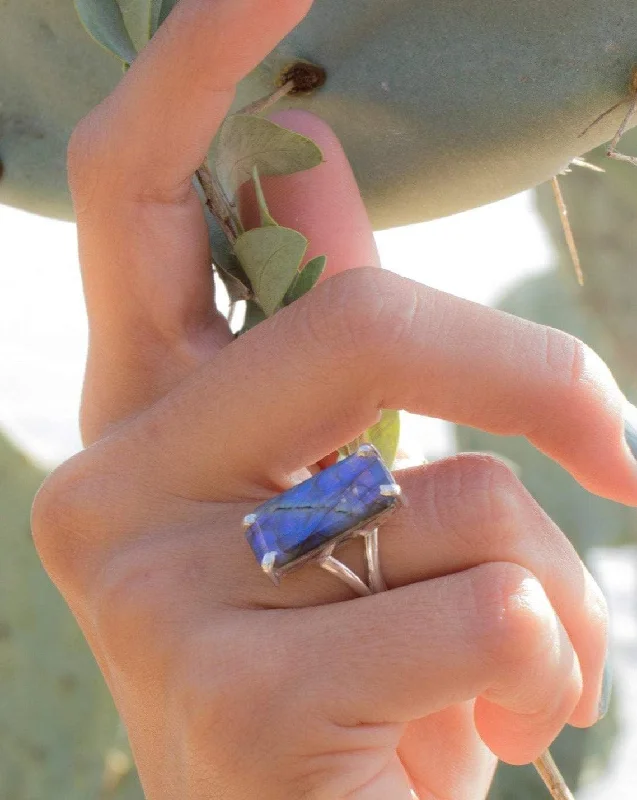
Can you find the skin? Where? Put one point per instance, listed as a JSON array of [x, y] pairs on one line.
[[493, 635]]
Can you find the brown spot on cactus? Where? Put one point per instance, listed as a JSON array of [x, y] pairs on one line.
[[306, 76]]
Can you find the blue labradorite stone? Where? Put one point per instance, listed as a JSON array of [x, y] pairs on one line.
[[329, 506]]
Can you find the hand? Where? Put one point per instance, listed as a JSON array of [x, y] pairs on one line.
[[493, 635]]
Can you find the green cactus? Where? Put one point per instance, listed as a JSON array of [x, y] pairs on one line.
[[58, 725], [440, 106]]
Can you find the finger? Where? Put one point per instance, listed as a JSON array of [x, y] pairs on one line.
[[142, 235], [444, 756], [463, 512], [160, 120], [489, 632], [149, 292], [320, 370], [324, 204]]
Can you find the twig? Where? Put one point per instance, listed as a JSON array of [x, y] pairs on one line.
[[566, 227], [552, 777], [218, 203], [265, 102]]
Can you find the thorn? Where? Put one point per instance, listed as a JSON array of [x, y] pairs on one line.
[[566, 227]]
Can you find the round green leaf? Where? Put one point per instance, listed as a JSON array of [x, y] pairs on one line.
[[305, 279], [385, 435], [104, 21], [246, 141], [270, 257], [159, 10]]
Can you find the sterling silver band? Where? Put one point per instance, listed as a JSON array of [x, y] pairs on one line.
[[375, 581]]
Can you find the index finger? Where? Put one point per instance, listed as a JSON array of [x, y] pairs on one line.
[[160, 120], [316, 375]]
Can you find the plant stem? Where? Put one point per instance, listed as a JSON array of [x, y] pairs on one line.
[[218, 204], [264, 103], [552, 777]]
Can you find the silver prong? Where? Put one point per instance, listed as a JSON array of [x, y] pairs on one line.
[[375, 578], [335, 567], [390, 490], [249, 520], [267, 565], [366, 450]]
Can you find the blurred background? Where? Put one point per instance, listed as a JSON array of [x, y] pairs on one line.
[[59, 735]]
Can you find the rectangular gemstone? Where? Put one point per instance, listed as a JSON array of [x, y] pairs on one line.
[[330, 506]]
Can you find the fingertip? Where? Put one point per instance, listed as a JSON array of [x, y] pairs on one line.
[[323, 203]]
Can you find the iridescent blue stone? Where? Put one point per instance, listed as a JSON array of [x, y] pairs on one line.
[[327, 508]]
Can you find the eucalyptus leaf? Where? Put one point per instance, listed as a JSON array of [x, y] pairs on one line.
[[264, 211], [305, 279], [159, 10], [104, 21], [135, 14], [271, 257], [246, 141], [254, 315], [384, 435]]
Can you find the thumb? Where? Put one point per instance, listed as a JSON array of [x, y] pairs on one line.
[[323, 203]]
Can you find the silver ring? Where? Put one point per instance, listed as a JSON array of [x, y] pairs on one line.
[[311, 520]]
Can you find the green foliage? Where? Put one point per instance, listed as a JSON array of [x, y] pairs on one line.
[[305, 279], [103, 19], [123, 27], [159, 10], [271, 258], [264, 211], [385, 434], [247, 140]]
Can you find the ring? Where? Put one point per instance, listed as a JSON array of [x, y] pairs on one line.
[[309, 521]]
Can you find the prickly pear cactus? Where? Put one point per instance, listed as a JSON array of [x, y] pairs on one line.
[[602, 210], [441, 106], [58, 726]]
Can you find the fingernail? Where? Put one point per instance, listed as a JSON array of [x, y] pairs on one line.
[[607, 689], [630, 428]]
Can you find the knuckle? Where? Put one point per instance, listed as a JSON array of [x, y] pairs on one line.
[[62, 514], [82, 146], [360, 311], [478, 495], [524, 642], [576, 372], [517, 621], [88, 150]]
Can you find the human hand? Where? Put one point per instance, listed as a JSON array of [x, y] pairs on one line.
[[493, 631]]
